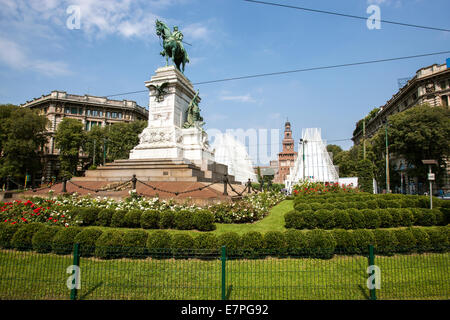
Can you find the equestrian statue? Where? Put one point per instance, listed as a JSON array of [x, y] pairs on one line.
[[172, 45]]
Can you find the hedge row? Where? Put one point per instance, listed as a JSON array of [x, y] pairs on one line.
[[202, 220], [365, 219], [368, 204], [140, 243]]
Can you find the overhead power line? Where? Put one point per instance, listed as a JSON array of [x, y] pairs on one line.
[[347, 15], [300, 70]]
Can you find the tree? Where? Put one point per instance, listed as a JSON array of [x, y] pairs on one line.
[[419, 133], [334, 149], [365, 175], [69, 139], [95, 141], [122, 137], [22, 138]]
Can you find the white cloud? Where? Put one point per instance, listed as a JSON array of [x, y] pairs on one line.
[[16, 57], [244, 98]]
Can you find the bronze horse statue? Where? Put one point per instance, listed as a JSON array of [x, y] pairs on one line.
[[172, 45]]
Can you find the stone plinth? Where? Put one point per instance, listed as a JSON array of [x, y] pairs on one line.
[[165, 137]]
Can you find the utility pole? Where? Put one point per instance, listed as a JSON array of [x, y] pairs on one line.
[[303, 142], [431, 178], [388, 187], [364, 137], [94, 152]]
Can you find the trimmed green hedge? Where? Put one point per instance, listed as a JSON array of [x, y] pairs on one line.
[[363, 219]]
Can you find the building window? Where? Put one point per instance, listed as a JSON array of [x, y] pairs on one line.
[[444, 100], [80, 111], [120, 115], [100, 113], [88, 112], [108, 114], [114, 115], [442, 85], [66, 110], [73, 111], [87, 125]]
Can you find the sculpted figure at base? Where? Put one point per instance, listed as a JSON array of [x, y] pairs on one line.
[[193, 118]]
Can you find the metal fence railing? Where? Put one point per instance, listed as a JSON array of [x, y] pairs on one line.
[[206, 275]]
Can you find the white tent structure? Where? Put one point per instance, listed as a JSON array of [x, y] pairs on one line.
[[313, 161], [229, 151]]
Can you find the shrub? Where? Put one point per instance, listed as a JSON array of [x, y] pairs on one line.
[[231, 241], [150, 219], [207, 242], [134, 243], [182, 244], [406, 240], [275, 242], [407, 217], [296, 242], [310, 219], [63, 240], [321, 243], [325, 219], [340, 205], [385, 218], [118, 218], [184, 220], [203, 220], [438, 238], [360, 205], [382, 204], [357, 218], [315, 206], [7, 231], [87, 216], [345, 242], [22, 237], [159, 242], [342, 219], [293, 219], [109, 245], [133, 218], [372, 204], [301, 206], [363, 238], [396, 217], [440, 217], [372, 219], [422, 240], [104, 217], [167, 219], [386, 242], [42, 239], [252, 244], [87, 238]]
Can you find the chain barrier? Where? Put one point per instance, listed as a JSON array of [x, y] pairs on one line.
[[99, 190], [234, 190], [176, 193], [29, 189]]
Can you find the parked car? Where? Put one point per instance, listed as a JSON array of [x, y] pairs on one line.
[[445, 196]]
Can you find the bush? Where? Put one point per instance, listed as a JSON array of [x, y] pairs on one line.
[[407, 217], [252, 244], [385, 218], [109, 245], [309, 219], [182, 244], [22, 237], [396, 217], [208, 243], [301, 206], [371, 218], [386, 242], [423, 243], [150, 219], [357, 218], [275, 242], [438, 238], [360, 205], [325, 219], [63, 240], [296, 242], [321, 243], [134, 243], [87, 216], [293, 219], [87, 238], [382, 204], [167, 219], [406, 240], [363, 238], [231, 241], [158, 243], [315, 206], [440, 217], [345, 242], [342, 219], [42, 240], [7, 231], [104, 217], [133, 218], [203, 220], [372, 204], [184, 220], [118, 218]]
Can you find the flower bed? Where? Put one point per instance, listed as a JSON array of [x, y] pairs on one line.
[[312, 188]]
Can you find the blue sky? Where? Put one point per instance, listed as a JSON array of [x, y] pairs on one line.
[[116, 50]]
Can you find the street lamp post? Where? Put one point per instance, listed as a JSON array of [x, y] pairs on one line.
[[431, 178]]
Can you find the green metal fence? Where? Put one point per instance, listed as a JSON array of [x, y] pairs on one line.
[[203, 274]]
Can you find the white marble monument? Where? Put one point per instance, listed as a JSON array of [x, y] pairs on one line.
[[165, 138]]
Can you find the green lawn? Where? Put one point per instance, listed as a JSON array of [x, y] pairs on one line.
[[27, 275]]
